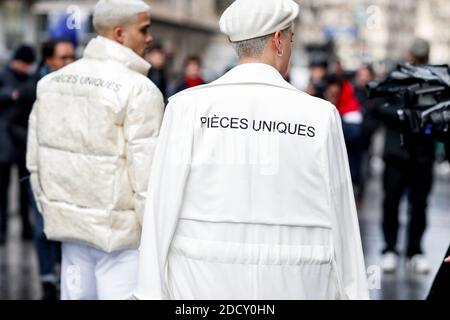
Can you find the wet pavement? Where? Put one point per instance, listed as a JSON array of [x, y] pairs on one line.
[[403, 284], [19, 275]]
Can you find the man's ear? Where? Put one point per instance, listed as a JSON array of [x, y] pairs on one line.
[[276, 41], [118, 35]]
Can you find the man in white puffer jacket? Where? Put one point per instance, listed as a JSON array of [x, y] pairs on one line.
[[92, 135]]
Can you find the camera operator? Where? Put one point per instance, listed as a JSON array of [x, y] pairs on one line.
[[408, 168]]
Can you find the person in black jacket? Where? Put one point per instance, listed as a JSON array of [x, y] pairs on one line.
[[12, 77], [157, 58], [55, 55], [408, 170], [370, 124]]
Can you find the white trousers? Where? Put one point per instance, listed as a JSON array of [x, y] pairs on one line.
[[91, 274]]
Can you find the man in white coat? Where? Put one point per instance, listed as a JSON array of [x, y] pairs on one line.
[[250, 194], [93, 131]]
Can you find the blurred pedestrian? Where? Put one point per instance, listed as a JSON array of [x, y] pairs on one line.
[[55, 55], [92, 134], [340, 93], [158, 58], [12, 77], [192, 75], [364, 75], [408, 170], [318, 69], [251, 174], [419, 52]]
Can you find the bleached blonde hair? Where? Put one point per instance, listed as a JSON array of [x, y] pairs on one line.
[[113, 13]]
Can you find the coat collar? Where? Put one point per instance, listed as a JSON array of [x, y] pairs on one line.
[[249, 73], [101, 48]]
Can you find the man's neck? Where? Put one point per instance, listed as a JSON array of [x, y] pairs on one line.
[[245, 60]]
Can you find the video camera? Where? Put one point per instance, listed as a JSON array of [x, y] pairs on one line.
[[421, 95]]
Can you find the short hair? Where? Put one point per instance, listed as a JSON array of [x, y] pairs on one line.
[[369, 68], [48, 48], [254, 47], [334, 79], [113, 13], [193, 59], [420, 50], [156, 46], [25, 53]]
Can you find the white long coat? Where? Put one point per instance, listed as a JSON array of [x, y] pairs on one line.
[[250, 197]]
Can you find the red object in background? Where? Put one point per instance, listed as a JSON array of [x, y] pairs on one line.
[[193, 82], [347, 101]]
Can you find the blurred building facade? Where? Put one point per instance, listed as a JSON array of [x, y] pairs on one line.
[[360, 30], [13, 30], [434, 25], [183, 27], [377, 31]]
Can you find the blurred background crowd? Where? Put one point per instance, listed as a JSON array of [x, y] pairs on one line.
[[340, 46]]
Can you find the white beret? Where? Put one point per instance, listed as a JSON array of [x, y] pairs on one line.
[[248, 19]]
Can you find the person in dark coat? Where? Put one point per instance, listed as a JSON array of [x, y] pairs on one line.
[[370, 124], [12, 77], [55, 55], [318, 68], [157, 58], [340, 93], [408, 170]]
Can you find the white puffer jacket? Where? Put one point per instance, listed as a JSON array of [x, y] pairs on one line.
[[92, 135]]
